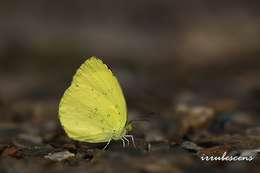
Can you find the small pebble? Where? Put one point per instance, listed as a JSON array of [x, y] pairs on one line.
[[158, 146], [59, 156], [191, 146]]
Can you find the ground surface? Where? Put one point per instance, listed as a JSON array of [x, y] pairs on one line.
[[185, 115]]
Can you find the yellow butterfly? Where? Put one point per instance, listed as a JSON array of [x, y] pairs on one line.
[[93, 108]]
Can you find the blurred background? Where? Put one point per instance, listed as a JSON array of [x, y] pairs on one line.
[[46, 37], [196, 58]]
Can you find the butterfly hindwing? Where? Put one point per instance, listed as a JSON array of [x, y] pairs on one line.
[[94, 105]]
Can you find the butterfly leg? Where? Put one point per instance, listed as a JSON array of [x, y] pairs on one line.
[[126, 140], [107, 144], [132, 138], [123, 142]]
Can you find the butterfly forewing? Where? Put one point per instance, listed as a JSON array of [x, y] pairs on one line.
[[94, 105]]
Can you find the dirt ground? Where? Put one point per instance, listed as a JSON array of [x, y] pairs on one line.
[[180, 119]]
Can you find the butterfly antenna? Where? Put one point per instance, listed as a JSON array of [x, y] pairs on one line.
[[139, 120], [148, 119]]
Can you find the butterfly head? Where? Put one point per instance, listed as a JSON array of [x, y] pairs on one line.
[[119, 134], [129, 127]]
